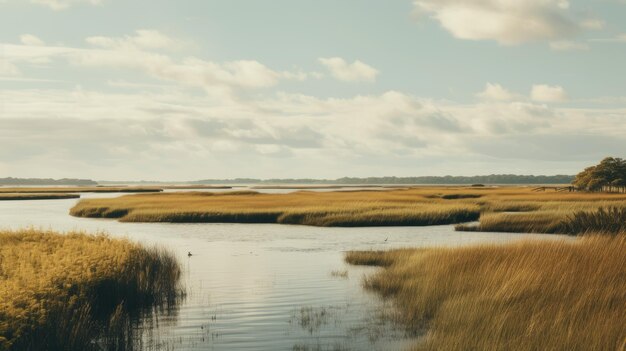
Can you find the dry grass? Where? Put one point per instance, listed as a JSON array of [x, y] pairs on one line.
[[524, 296], [36, 196], [539, 212], [548, 216], [78, 189], [351, 208], [61, 292], [197, 187], [313, 187]]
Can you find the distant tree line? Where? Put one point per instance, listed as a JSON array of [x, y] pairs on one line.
[[48, 181], [487, 179], [609, 176]]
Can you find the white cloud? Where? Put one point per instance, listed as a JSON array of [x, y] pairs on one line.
[[356, 71], [142, 39], [593, 23], [29, 39], [505, 21], [496, 92], [548, 93], [135, 53], [620, 38], [8, 69], [64, 4], [568, 45]]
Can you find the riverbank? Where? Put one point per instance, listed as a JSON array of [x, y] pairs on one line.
[[524, 296], [78, 189], [64, 291], [36, 196]]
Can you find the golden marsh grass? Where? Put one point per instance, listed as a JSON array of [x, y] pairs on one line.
[[523, 296], [346, 208], [540, 212], [61, 292]]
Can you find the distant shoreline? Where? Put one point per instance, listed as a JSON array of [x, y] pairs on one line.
[[493, 179]]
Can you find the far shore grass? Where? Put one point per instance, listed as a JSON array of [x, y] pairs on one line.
[[67, 291], [36, 196], [79, 189], [499, 209], [535, 295]]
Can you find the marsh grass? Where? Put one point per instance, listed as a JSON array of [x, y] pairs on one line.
[[523, 222], [36, 196], [524, 296], [79, 292], [610, 220], [550, 216], [506, 209], [77, 189], [337, 209]]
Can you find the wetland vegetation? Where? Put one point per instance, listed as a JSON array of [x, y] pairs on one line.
[[75, 291], [344, 208], [499, 209], [36, 196], [524, 296], [79, 189]]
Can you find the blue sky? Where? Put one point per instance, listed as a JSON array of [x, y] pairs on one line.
[[110, 89]]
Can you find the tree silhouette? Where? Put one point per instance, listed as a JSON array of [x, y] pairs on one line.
[[609, 176]]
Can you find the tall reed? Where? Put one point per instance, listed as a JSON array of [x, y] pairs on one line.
[[610, 220], [79, 292], [525, 296]]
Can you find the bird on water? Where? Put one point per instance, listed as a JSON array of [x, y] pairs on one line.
[[189, 254]]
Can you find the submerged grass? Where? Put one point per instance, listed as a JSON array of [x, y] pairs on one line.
[[524, 296], [78, 292]]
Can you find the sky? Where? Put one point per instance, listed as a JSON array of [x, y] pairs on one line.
[[198, 89]]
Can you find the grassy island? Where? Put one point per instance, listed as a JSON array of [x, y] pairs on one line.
[[504, 209], [343, 208]]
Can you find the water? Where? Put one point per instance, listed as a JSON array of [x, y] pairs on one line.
[[263, 286]]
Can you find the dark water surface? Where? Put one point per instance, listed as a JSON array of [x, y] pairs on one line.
[[263, 286]]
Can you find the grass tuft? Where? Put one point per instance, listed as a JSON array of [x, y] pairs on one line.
[[611, 220]]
